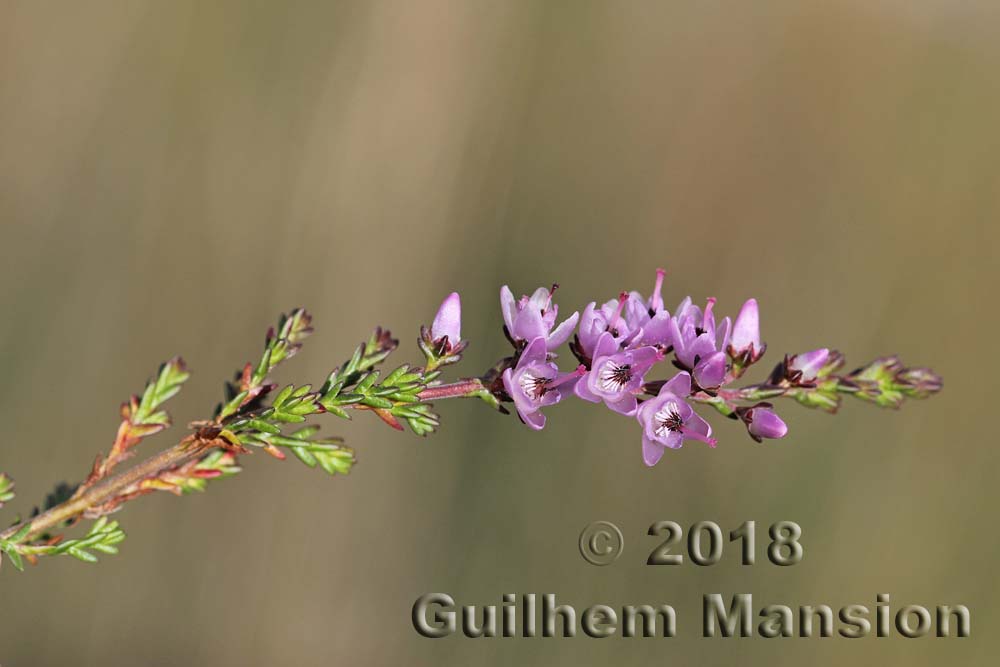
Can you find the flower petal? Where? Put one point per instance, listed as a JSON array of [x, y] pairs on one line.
[[605, 346], [562, 332], [674, 440], [508, 383], [508, 308], [583, 391], [528, 324], [679, 385], [711, 371], [722, 333], [702, 347], [534, 419], [652, 451], [643, 359], [592, 325], [626, 405], [539, 299], [534, 353], [698, 425], [658, 330]]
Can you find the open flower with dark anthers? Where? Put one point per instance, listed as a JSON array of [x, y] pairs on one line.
[[667, 420], [535, 316], [596, 321], [762, 422], [615, 376], [536, 383], [695, 336], [633, 321]]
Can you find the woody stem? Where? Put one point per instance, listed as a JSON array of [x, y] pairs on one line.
[[182, 452]]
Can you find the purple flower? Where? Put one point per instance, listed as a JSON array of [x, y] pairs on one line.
[[667, 420], [624, 318], [633, 320], [745, 344], [448, 321], [535, 317], [593, 324], [806, 366], [696, 337], [634, 316], [762, 422], [536, 382], [616, 377]]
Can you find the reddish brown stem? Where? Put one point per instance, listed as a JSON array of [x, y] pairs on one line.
[[461, 389], [102, 492]]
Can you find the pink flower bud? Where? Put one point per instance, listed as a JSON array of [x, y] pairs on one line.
[[448, 321], [809, 364], [746, 332], [764, 423]]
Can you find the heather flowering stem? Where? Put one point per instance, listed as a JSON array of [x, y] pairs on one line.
[[617, 345]]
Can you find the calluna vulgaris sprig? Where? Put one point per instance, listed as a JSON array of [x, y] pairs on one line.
[[618, 346]]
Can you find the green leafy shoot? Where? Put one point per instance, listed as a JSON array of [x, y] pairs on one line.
[[168, 382], [102, 537], [279, 345]]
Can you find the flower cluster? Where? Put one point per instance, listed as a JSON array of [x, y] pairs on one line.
[[619, 345]]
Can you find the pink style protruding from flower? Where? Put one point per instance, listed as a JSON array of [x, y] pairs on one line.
[[655, 302], [448, 320], [536, 383], [616, 377], [615, 322], [656, 329], [745, 341], [809, 364], [667, 420], [535, 317]]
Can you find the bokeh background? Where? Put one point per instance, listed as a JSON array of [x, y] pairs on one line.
[[175, 174]]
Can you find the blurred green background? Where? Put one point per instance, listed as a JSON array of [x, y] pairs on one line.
[[175, 174]]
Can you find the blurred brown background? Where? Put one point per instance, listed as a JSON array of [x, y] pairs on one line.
[[175, 174]]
